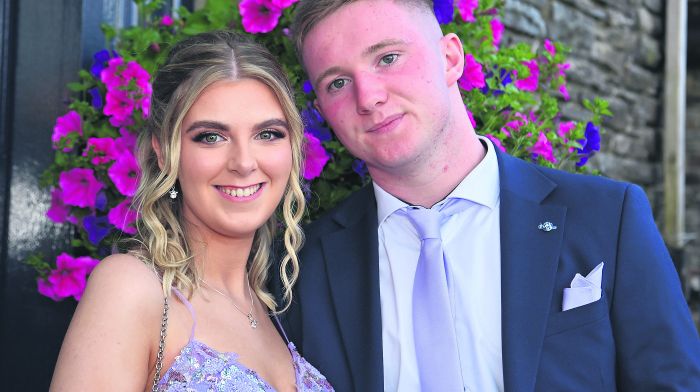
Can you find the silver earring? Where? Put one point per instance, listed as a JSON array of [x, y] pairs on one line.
[[173, 193]]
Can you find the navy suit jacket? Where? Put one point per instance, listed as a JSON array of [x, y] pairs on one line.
[[639, 336]]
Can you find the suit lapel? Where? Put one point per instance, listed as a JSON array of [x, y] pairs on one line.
[[529, 259], [353, 270]]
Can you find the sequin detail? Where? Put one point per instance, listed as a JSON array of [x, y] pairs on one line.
[[199, 368]]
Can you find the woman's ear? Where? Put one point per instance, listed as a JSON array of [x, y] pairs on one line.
[[453, 52], [156, 148]]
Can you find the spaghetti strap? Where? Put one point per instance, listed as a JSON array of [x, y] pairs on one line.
[[187, 303], [279, 326]]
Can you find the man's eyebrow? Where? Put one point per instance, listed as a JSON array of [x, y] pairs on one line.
[[207, 124], [370, 50]]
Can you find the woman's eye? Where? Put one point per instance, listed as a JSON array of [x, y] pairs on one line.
[[208, 138], [270, 134], [389, 59], [337, 84]]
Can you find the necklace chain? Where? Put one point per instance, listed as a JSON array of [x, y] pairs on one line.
[[250, 315]]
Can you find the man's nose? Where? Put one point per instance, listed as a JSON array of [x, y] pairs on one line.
[[370, 91]]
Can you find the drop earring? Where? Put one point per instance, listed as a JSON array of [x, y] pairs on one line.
[[173, 193]]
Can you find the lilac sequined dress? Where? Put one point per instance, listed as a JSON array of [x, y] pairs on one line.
[[199, 368]]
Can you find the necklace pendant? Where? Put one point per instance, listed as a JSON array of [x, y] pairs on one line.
[[253, 322]]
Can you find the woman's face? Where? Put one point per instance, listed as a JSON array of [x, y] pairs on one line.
[[236, 158]]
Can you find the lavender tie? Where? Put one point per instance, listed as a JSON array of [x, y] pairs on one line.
[[433, 326]]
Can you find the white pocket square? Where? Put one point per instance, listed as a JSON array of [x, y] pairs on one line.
[[583, 291]]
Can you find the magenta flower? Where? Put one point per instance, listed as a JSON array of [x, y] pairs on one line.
[[111, 75], [122, 98], [564, 92], [103, 148], [466, 9], [471, 118], [531, 82], [496, 32], [125, 173], [282, 3], [46, 289], [496, 142], [514, 125], [126, 142], [259, 16], [473, 75], [58, 212], [543, 147], [69, 277], [564, 128], [549, 47], [167, 20], [316, 157], [79, 187], [67, 126], [119, 107], [123, 217]]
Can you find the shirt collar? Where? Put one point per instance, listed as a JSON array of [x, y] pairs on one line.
[[481, 186]]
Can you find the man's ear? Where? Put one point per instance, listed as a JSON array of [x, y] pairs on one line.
[[156, 148], [453, 52], [318, 107]]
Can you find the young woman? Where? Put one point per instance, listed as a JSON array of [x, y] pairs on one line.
[[187, 308]]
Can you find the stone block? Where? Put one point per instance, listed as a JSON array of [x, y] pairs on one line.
[[573, 27], [621, 18], [524, 18], [611, 58], [586, 73], [625, 169], [621, 38], [639, 79], [655, 6], [692, 117], [589, 8], [649, 23], [649, 54]]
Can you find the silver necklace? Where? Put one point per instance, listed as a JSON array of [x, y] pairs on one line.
[[250, 315]]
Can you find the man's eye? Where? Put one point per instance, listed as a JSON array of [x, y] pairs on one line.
[[337, 84], [389, 59]]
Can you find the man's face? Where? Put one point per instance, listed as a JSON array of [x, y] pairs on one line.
[[379, 72]]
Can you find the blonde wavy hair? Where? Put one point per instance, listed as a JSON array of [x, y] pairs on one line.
[[193, 65]]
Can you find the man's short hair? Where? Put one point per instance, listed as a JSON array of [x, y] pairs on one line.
[[310, 12]]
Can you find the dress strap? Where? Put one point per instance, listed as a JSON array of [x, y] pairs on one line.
[[187, 303], [278, 324]]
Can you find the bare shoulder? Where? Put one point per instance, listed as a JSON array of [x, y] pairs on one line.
[[113, 330]]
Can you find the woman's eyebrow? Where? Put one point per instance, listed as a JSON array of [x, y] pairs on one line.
[[207, 124]]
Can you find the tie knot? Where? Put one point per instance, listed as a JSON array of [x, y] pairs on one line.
[[426, 221]]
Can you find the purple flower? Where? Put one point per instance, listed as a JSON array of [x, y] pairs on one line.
[[167, 20], [496, 32], [360, 167], [79, 187], [123, 217], [125, 173], [313, 123], [101, 201], [103, 150], [473, 75], [444, 10], [543, 147], [531, 82], [316, 157], [466, 9], [496, 142], [307, 87], [58, 212], [259, 16], [590, 144], [549, 47], [97, 228], [99, 60], [96, 98], [67, 127]]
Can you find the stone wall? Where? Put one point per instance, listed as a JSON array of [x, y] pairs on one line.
[[692, 216]]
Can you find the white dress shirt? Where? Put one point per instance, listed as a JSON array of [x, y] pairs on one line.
[[471, 243]]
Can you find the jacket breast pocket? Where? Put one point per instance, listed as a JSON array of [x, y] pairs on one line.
[[577, 317]]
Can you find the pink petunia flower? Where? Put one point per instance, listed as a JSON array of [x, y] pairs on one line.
[[496, 142], [58, 212], [531, 82], [126, 142], [46, 289], [122, 98], [123, 217], [79, 187], [67, 126], [103, 148], [514, 125], [471, 118], [259, 16], [564, 128], [316, 157], [69, 277], [473, 75], [111, 74], [125, 173], [167, 20], [543, 147], [496, 32], [466, 9], [282, 3], [119, 107], [549, 47]]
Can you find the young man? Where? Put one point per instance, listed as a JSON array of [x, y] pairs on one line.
[[501, 312]]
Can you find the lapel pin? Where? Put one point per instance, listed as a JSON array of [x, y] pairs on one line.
[[547, 226]]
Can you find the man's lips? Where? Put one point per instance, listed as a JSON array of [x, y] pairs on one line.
[[387, 124]]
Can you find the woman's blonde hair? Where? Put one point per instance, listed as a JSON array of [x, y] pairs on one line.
[[192, 66]]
